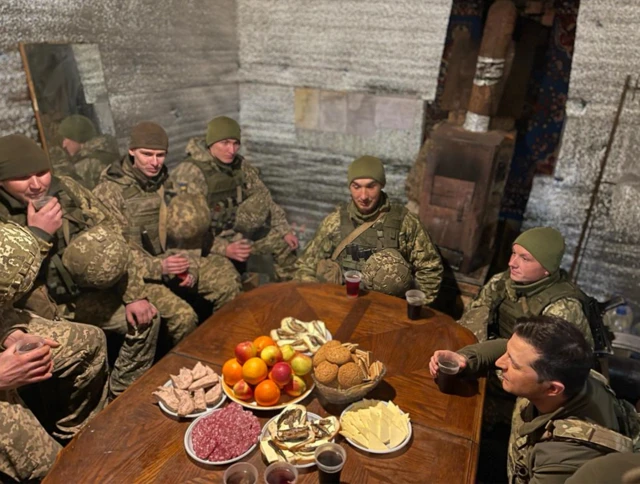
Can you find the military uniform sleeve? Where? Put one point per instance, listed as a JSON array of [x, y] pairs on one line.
[[555, 462], [191, 177], [12, 320], [321, 247], [421, 253], [256, 185], [571, 310], [481, 357], [476, 316]]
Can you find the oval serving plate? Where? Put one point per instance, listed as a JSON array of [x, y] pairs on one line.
[[170, 412], [253, 405], [188, 445], [310, 416], [373, 451]]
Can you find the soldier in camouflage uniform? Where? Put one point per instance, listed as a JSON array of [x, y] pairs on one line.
[[70, 368], [25, 177], [138, 189], [565, 414], [394, 249], [89, 152], [216, 170]]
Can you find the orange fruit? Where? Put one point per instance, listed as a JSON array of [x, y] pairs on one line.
[[232, 372], [267, 393], [262, 342], [254, 370]]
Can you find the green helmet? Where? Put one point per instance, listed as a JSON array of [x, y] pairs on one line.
[[97, 258], [252, 214], [188, 220], [19, 262], [388, 272]]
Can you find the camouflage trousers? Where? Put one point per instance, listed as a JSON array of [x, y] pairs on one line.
[[175, 313], [284, 258], [75, 394], [137, 353], [218, 280]]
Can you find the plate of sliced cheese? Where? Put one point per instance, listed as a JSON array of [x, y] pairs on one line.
[[375, 426]]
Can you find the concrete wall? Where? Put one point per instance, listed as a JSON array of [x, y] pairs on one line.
[[325, 81], [174, 62], [606, 51]]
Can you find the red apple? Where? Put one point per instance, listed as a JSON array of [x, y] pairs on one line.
[[295, 387], [244, 351], [301, 364], [243, 390], [281, 374], [271, 355]]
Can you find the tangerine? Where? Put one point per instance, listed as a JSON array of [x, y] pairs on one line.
[[254, 370], [232, 372], [261, 342], [267, 393]]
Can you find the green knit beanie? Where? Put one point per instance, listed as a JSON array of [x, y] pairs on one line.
[[21, 156], [545, 244], [367, 167], [77, 128], [148, 135], [221, 128]]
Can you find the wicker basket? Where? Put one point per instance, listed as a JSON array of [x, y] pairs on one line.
[[338, 396]]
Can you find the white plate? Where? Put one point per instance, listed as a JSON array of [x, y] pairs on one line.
[[311, 417], [372, 451], [188, 445], [327, 335], [253, 405], [168, 411]]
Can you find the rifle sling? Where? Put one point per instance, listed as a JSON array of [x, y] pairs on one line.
[[353, 236]]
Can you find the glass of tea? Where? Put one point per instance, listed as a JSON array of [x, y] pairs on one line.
[[28, 342], [415, 301], [281, 473], [352, 281], [330, 459], [41, 202], [241, 473], [448, 369]]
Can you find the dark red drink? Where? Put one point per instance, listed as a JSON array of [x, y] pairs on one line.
[[281, 476], [413, 311], [241, 477], [353, 288], [447, 376], [331, 460]]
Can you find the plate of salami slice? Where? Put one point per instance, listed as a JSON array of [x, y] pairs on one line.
[[191, 393]]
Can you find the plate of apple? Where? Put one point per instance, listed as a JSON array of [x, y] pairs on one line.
[[265, 376]]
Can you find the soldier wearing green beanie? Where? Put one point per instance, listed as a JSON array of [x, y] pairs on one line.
[[84, 152], [214, 169], [375, 236], [139, 190]]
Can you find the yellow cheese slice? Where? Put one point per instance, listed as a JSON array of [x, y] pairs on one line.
[[374, 442]]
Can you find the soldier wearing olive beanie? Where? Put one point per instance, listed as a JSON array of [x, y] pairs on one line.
[[21, 156], [77, 128], [148, 135], [546, 244], [222, 128], [367, 167]]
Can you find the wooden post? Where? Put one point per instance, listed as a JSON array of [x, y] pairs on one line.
[[32, 95]]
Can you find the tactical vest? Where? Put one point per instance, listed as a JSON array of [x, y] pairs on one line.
[[509, 311], [372, 240], [143, 214], [59, 282], [575, 430], [224, 193]]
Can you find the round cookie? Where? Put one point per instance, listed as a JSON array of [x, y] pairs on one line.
[[326, 373], [338, 355], [349, 375]]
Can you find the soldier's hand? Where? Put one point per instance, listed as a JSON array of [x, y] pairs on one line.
[[433, 363], [17, 370], [175, 264], [188, 281], [292, 241], [48, 218], [239, 250], [140, 313]]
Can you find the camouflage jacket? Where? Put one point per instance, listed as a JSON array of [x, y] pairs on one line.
[[548, 448], [94, 156], [89, 213], [20, 257], [414, 244], [114, 182], [190, 175], [486, 305], [61, 163]]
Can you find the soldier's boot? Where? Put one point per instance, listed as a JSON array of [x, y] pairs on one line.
[[176, 314], [218, 280], [80, 376], [27, 451]]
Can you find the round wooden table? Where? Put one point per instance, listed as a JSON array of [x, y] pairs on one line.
[[133, 441]]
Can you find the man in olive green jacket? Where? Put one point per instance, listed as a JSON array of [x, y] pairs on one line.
[[565, 414], [392, 252]]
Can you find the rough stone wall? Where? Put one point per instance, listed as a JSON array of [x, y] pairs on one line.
[[606, 51], [174, 62], [325, 81]]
